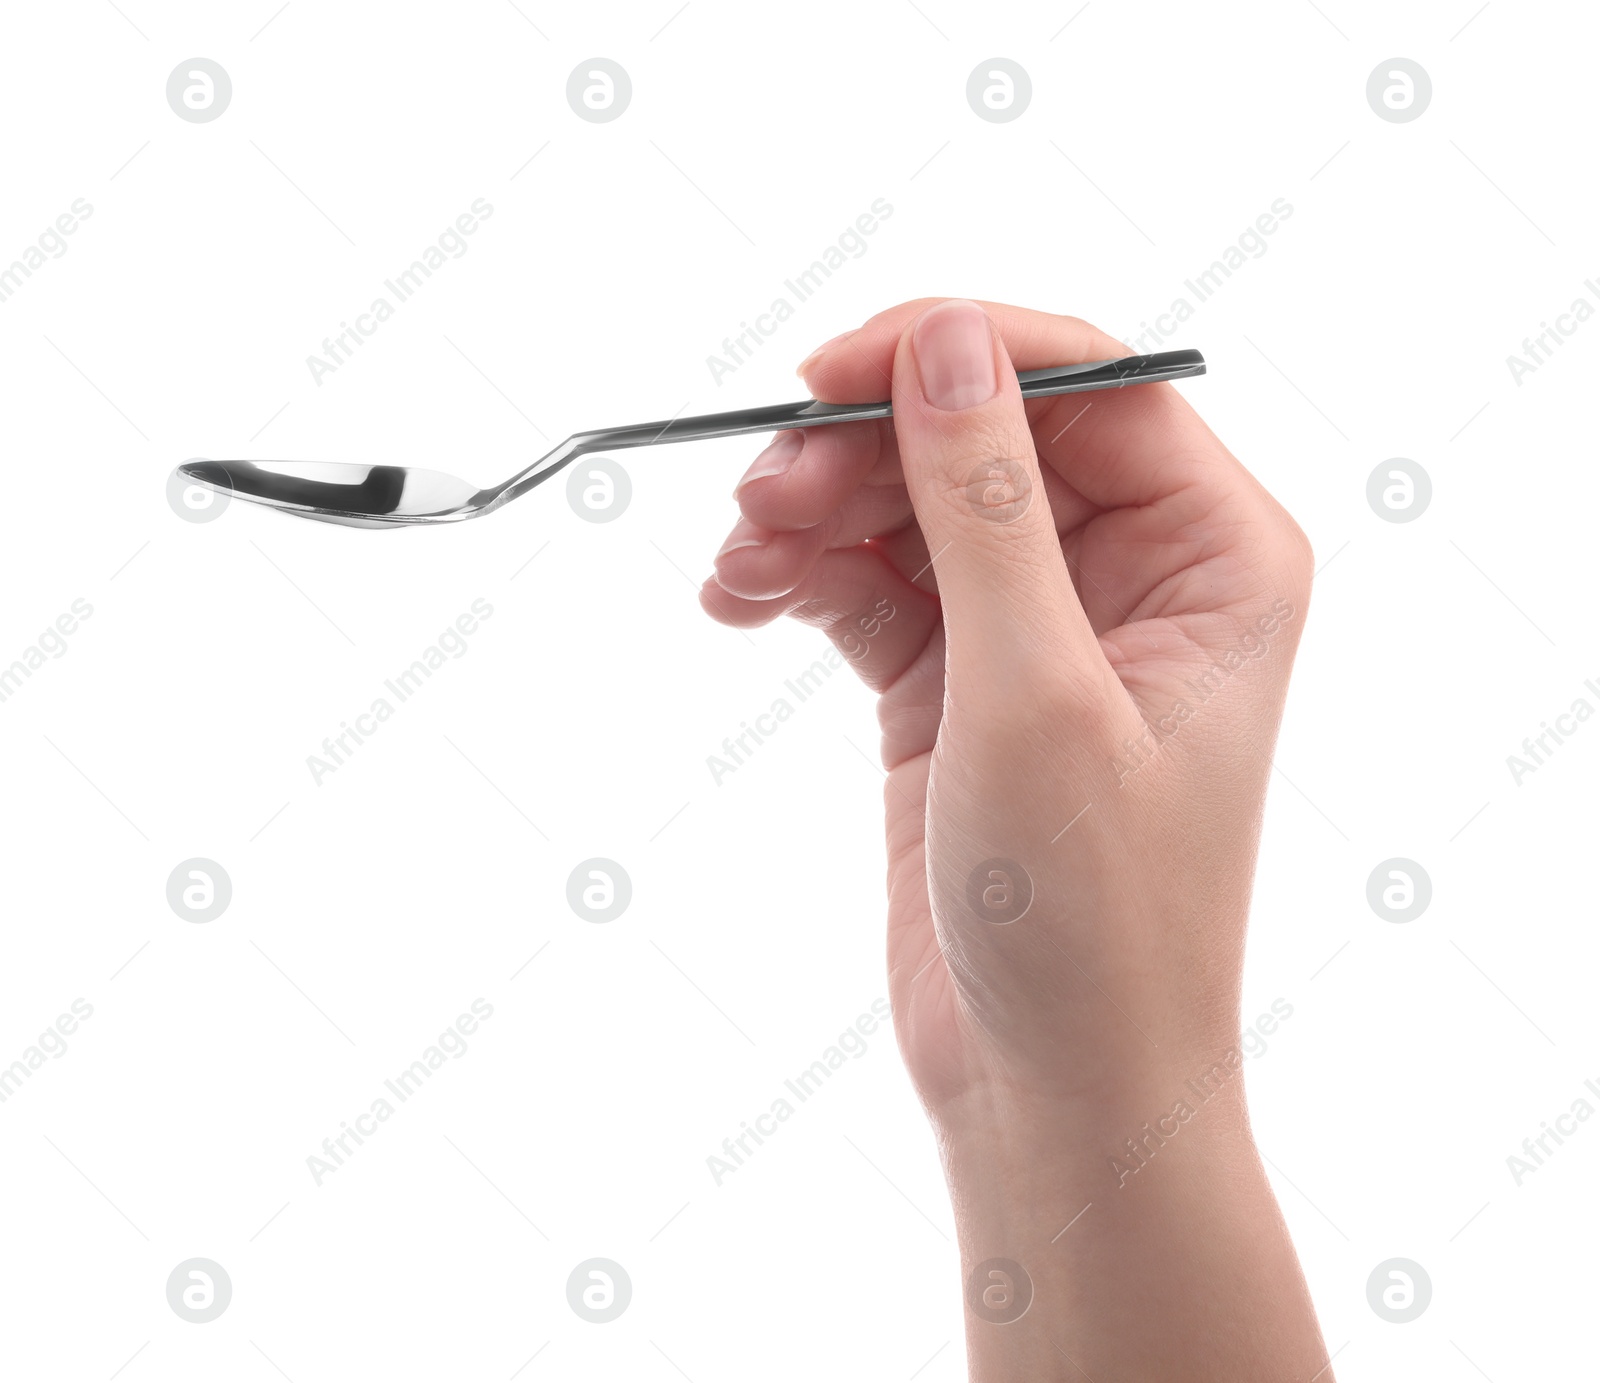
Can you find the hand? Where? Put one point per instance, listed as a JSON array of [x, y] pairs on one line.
[[1080, 614]]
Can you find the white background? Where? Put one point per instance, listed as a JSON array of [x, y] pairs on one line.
[[369, 911]]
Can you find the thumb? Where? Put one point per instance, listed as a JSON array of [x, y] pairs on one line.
[[1010, 610]]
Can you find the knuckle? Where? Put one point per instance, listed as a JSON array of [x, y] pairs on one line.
[[1277, 548], [1296, 554], [989, 476], [1065, 723], [1079, 699]]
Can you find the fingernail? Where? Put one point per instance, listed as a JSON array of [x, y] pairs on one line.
[[954, 350], [775, 460], [821, 350], [745, 534]]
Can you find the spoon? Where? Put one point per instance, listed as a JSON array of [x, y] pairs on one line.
[[361, 496]]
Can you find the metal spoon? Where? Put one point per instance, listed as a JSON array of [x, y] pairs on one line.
[[395, 496]]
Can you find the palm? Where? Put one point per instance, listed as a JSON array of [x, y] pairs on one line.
[[1160, 586]]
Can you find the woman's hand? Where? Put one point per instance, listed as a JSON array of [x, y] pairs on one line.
[[1080, 614]]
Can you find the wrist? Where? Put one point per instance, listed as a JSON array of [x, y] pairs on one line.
[[1117, 1236], [1015, 1163]]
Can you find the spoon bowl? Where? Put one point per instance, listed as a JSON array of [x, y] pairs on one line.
[[342, 492]]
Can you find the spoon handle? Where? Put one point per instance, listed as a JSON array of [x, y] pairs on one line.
[[1061, 379]]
